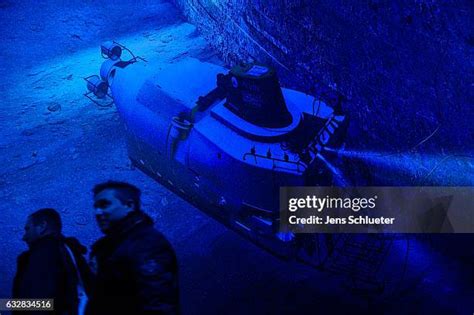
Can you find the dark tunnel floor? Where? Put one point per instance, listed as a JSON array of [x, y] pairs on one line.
[[55, 145]]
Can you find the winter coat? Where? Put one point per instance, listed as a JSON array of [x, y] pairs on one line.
[[47, 271], [136, 271]]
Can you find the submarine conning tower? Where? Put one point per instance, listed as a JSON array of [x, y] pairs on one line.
[[254, 94]]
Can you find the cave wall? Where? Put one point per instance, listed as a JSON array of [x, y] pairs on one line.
[[404, 66]]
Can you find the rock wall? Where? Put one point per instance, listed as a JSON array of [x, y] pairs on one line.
[[404, 66]]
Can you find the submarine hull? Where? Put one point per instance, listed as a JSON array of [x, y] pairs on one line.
[[227, 167]]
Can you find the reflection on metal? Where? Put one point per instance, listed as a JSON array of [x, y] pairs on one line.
[[100, 89], [99, 85], [111, 50]]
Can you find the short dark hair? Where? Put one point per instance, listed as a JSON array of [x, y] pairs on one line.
[[125, 191], [50, 216]]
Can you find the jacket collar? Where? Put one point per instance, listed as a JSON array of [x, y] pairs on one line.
[[46, 239], [128, 223], [121, 230]]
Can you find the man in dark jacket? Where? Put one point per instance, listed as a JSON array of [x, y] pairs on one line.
[[53, 267], [136, 267]]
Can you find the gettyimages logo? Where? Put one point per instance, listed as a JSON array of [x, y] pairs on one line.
[[320, 204], [376, 209]]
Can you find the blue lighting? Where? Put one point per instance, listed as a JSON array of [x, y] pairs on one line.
[[421, 169]]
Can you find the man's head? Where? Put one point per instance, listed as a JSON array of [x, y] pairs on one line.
[[41, 223], [113, 201]]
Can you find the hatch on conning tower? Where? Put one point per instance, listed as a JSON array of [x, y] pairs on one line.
[[254, 94]]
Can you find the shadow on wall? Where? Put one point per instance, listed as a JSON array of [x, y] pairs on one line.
[[403, 66]]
